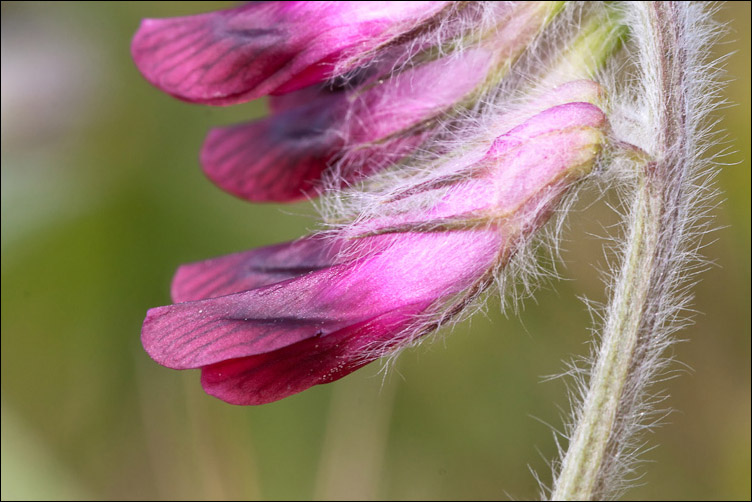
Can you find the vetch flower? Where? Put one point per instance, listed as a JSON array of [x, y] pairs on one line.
[[268, 323], [261, 48], [372, 118]]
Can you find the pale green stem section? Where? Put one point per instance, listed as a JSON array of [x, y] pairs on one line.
[[588, 447]]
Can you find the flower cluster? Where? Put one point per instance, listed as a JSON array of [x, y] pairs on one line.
[[433, 178]]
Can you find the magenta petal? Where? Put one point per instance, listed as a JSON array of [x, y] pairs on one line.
[[276, 159], [272, 376], [252, 269], [195, 334], [213, 58], [240, 54]]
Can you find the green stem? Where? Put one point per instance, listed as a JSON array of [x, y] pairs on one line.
[[579, 477], [643, 288]]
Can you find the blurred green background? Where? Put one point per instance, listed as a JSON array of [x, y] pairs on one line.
[[102, 198]]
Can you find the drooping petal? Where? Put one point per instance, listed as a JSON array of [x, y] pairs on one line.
[[394, 271], [276, 159], [243, 53], [272, 376], [239, 272]]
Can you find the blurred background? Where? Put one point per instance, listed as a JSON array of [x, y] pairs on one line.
[[102, 198]]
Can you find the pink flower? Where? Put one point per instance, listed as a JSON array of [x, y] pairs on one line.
[[261, 48], [268, 323], [375, 117]]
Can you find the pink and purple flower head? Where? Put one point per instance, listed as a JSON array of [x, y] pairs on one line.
[[361, 87]]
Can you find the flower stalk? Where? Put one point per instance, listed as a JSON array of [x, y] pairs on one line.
[[580, 477], [649, 292]]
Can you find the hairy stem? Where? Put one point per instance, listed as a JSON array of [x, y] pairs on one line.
[[579, 477], [635, 327]]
